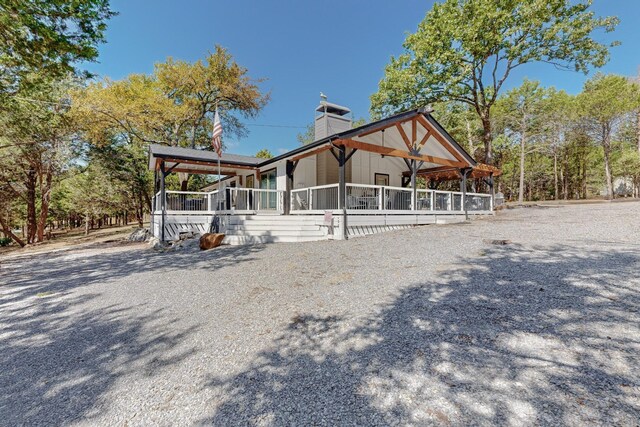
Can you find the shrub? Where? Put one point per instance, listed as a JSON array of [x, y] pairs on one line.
[[5, 241]]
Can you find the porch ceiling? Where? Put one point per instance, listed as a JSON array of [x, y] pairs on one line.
[[445, 173]]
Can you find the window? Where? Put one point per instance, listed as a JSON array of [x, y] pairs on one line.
[[381, 179]]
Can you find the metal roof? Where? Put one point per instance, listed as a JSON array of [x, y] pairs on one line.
[[157, 151], [188, 154], [332, 108]]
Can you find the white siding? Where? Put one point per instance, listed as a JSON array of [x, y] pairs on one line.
[[305, 174], [365, 165]]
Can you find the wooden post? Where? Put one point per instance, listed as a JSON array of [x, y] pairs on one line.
[[493, 192], [414, 190], [163, 201], [463, 189], [342, 190], [290, 168]]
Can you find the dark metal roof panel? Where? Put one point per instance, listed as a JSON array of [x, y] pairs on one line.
[[165, 151]]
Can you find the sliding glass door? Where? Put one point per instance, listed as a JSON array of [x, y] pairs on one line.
[[268, 200]]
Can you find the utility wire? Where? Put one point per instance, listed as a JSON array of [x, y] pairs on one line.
[[40, 101]]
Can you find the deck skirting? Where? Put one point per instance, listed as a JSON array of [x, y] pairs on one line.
[[256, 228]]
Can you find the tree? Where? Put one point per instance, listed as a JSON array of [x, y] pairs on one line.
[[522, 110], [173, 106], [559, 117], [308, 136], [465, 50], [604, 102], [48, 36], [36, 149], [264, 154]]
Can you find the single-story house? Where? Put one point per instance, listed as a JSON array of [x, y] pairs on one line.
[[348, 182]]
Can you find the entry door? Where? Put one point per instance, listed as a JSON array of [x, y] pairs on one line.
[[268, 182]]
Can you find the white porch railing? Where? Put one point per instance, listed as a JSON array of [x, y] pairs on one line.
[[359, 198], [384, 198], [228, 200]]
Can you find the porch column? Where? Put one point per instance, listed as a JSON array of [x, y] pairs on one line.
[[342, 189], [463, 189], [492, 191], [163, 201], [414, 190], [153, 202], [290, 169]]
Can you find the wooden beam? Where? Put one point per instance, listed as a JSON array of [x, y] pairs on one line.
[[441, 139], [204, 172], [377, 129], [423, 140], [372, 148], [311, 153], [431, 170], [213, 163], [404, 136], [414, 131]]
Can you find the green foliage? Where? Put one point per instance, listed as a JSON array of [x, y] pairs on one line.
[[174, 105], [36, 141], [264, 154], [464, 51], [5, 241], [48, 36], [604, 103]]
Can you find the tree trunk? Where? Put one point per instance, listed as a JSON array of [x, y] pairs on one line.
[[607, 171], [86, 224], [638, 132], [522, 153], [45, 199], [6, 229], [487, 138], [30, 184], [555, 174]]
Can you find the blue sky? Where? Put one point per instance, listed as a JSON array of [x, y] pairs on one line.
[[304, 47]]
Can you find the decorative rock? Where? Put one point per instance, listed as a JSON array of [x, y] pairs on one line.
[[211, 240], [139, 235]]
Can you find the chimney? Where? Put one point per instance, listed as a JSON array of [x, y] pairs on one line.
[[331, 118]]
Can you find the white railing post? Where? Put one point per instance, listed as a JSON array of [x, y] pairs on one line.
[[381, 198], [450, 201], [310, 199], [433, 200], [413, 200]]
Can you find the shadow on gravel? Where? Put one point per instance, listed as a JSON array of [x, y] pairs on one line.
[[56, 363], [57, 366], [60, 273], [522, 336]]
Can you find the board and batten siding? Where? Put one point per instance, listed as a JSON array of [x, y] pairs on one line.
[[365, 165]]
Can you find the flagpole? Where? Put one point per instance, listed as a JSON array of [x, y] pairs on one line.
[[219, 187]]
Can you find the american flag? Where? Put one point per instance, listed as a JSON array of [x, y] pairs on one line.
[[217, 135]]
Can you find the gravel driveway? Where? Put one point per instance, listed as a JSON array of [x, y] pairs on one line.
[[436, 325]]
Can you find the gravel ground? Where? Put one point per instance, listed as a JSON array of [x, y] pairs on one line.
[[437, 325]]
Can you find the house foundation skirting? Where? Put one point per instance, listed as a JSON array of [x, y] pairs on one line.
[[256, 228]]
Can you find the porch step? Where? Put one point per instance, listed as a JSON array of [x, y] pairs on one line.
[[253, 239], [250, 226], [305, 233]]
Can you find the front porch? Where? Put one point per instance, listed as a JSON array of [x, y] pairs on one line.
[[356, 181], [314, 212]]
